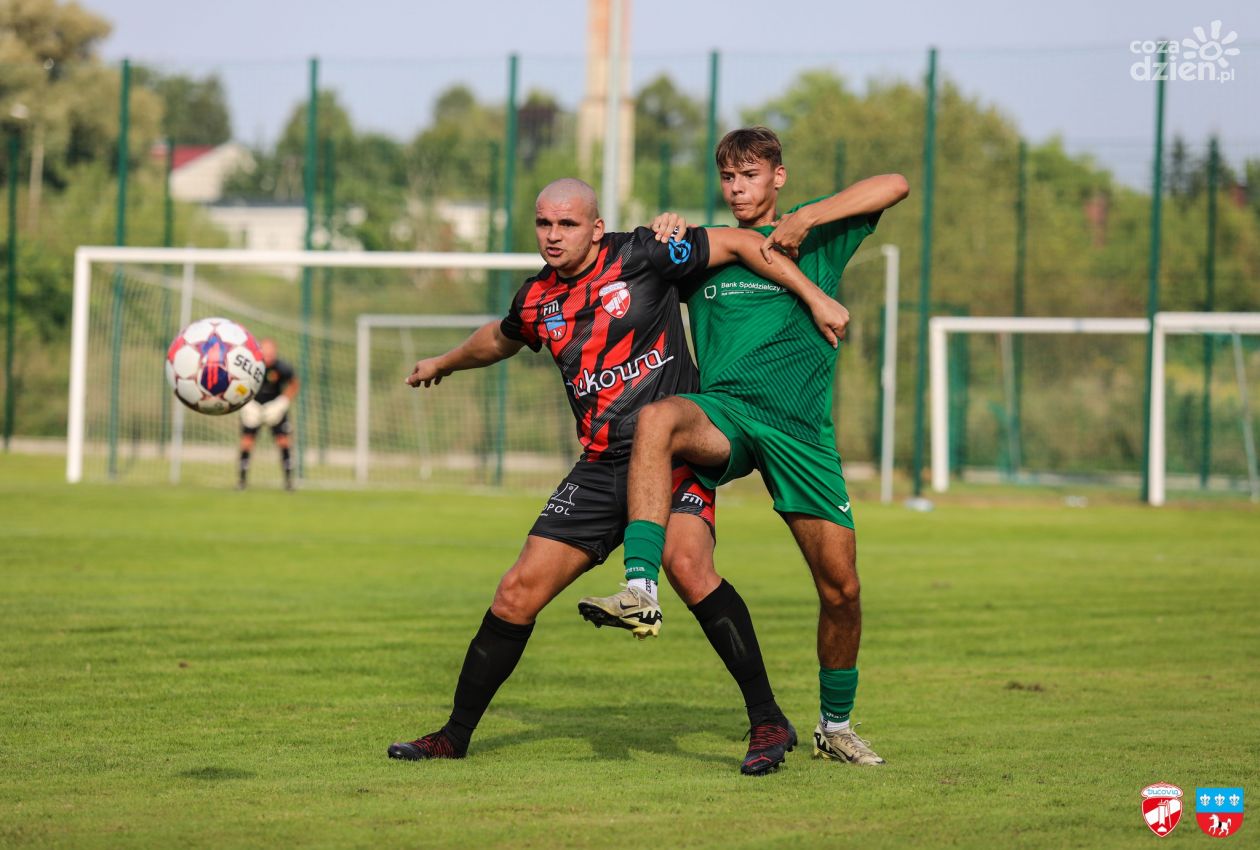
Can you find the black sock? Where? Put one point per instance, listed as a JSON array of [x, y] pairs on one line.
[[286, 463], [244, 465], [491, 658], [727, 624]]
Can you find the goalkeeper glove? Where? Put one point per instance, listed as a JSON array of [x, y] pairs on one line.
[[274, 410], [252, 415]]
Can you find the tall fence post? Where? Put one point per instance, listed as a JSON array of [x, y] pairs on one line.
[[710, 170], [308, 192], [610, 200], [1209, 305], [1021, 279], [1152, 287], [925, 272], [10, 323], [509, 199], [325, 301], [492, 211], [120, 238], [168, 239]]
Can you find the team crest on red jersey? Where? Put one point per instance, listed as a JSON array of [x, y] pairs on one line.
[[1161, 807], [615, 298], [553, 320]]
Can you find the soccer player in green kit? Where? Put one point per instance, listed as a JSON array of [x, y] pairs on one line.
[[765, 402]]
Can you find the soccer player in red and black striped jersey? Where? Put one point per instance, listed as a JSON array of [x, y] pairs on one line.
[[606, 309]]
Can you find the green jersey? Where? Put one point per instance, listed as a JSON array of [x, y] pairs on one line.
[[756, 343]]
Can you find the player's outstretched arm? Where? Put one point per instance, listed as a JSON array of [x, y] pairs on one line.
[[862, 198], [484, 346], [729, 245]]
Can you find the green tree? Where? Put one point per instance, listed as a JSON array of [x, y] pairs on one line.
[[669, 134], [456, 155], [538, 120], [195, 112], [68, 100]]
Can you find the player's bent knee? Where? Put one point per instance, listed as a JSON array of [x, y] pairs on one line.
[[657, 422], [841, 594], [513, 599]]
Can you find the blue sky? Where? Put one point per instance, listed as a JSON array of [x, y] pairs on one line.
[[1057, 68]]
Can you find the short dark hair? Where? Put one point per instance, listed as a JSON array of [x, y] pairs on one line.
[[749, 145]]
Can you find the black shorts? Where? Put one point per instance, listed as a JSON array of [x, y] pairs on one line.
[[588, 509], [284, 426]]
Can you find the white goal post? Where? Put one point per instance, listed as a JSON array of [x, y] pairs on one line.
[[1165, 323], [1194, 323], [939, 327], [365, 324]]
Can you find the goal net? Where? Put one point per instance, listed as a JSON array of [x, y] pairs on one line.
[[509, 423], [1223, 343], [1062, 400]]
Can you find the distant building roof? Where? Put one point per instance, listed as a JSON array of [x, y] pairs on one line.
[[184, 154]]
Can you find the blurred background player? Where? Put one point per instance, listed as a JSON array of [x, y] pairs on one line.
[[270, 407]]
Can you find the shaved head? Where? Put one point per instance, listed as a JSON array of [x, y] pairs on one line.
[[570, 190], [568, 226]]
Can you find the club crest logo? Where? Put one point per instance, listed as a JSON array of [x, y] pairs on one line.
[[615, 298], [1219, 811], [1161, 807], [553, 320]]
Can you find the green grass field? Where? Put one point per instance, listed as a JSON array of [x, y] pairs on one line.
[[188, 667]]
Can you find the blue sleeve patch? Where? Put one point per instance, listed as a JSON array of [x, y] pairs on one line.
[[679, 251]]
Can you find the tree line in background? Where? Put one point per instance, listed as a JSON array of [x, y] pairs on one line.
[[1087, 234]]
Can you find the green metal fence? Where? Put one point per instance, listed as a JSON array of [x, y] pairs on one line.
[[1024, 201]]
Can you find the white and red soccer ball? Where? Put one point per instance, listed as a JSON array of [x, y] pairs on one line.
[[214, 366]]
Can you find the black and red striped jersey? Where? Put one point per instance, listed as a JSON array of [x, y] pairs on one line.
[[615, 331]]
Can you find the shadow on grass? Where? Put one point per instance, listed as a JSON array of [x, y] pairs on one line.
[[613, 733], [216, 774]]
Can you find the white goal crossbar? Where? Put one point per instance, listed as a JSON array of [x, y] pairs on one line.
[[189, 258], [940, 327], [938, 354], [1193, 323]]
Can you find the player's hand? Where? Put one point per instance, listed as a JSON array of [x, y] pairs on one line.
[[789, 232], [427, 372], [273, 411], [832, 319], [668, 226], [252, 415]]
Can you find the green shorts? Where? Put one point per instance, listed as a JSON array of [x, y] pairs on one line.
[[802, 477]]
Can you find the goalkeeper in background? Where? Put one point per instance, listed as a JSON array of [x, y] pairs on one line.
[[270, 407]]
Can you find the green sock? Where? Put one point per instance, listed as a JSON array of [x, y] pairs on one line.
[[837, 689], [645, 541]]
